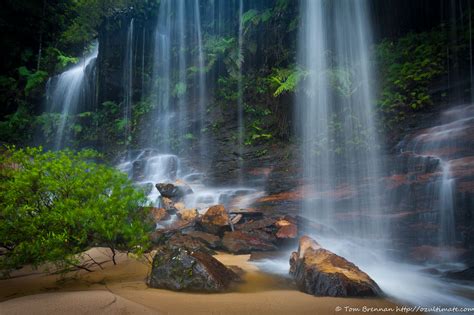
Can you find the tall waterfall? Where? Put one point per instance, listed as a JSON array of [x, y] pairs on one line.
[[68, 94], [240, 91], [336, 118], [178, 69], [128, 82]]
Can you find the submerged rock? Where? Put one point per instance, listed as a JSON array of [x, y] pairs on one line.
[[240, 242], [320, 272], [179, 269], [215, 219]]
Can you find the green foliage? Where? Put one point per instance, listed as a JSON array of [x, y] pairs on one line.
[[16, 128], [54, 205], [408, 67], [286, 80], [256, 130], [33, 79]]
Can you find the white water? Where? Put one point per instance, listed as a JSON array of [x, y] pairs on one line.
[[240, 96], [65, 93], [167, 168], [336, 117], [340, 153], [436, 144], [128, 82], [402, 282]]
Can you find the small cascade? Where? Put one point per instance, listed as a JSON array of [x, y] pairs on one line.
[[69, 93], [149, 167], [128, 82], [433, 157]]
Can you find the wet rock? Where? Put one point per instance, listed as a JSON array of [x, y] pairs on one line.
[[240, 242], [320, 272], [179, 240], [254, 225], [168, 204], [212, 241], [187, 214], [173, 191], [287, 231], [215, 219], [179, 269], [159, 214]]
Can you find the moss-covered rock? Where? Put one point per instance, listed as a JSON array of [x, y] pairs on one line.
[[179, 269]]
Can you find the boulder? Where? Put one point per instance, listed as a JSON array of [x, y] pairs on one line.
[[254, 225], [212, 241], [215, 219], [240, 242], [168, 205], [187, 214], [179, 240], [159, 214], [173, 191], [320, 272], [286, 229], [179, 269]]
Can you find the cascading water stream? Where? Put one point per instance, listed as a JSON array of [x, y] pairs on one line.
[[334, 109], [179, 69], [240, 96], [128, 82], [202, 98], [66, 93], [340, 152]]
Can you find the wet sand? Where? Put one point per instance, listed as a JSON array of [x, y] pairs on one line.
[[121, 289]]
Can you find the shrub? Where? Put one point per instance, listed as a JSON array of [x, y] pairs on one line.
[[54, 205]]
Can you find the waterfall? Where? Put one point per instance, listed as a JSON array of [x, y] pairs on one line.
[[340, 150], [128, 83], [68, 94], [432, 154], [202, 97], [162, 73], [240, 100]]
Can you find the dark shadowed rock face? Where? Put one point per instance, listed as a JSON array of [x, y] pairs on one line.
[[182, 270], [240, 242], [320, 272]]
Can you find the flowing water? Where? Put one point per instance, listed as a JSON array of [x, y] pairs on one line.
[[128, 82], [149, 167], [335, 112], [179, 71], [240, 96], [434, 152], [69, 93], [340, 155]]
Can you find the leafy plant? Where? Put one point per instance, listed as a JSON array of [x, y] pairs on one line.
[[55, 205], [33, 79], [286, 80]]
